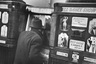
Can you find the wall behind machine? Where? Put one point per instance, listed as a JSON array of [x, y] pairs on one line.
[[43, 3], [38, 3]]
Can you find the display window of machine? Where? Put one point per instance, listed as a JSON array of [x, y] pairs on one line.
[[77, 33]]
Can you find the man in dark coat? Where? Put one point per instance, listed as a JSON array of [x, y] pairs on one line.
[[30, 44]]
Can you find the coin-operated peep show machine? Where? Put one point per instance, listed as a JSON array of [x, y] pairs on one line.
[[73, 34]]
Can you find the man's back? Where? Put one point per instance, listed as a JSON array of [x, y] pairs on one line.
[[28, 47]]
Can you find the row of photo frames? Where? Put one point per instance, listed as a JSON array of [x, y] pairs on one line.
[[78, 22], [63, 36], [77, 44]]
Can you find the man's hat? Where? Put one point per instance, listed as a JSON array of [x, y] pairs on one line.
[[36, 23]]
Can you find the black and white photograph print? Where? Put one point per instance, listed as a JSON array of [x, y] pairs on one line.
[[62, 40], [92, 27], [91, 45], [64, 23]]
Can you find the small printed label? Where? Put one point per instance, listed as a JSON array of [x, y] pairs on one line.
[[79, 21], [2, 41], [90, 59], [62, 54], [3, 6], [77, 45]]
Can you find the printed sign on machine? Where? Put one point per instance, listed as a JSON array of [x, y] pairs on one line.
[[77, 45]]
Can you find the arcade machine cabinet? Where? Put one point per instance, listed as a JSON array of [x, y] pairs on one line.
[[73, 34], [13, 18]]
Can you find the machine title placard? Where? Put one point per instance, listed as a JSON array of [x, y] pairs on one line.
[[79, 10]]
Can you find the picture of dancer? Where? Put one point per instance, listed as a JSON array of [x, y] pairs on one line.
[[64, 23], [63, 40], [92, 26], [91, 45]]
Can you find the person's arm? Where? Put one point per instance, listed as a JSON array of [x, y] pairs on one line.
[[35, 49]]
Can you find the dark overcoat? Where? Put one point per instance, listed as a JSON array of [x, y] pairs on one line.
[[28, 48]]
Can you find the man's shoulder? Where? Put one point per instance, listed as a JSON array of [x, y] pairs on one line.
[[26, 32], [29, 33]]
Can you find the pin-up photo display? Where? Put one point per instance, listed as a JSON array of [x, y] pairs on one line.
[[63, 35], [74, 31], [91, 45], [92, 26], [62, 40], [64, 26]]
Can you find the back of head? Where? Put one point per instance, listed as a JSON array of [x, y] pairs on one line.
[[36, 23]]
